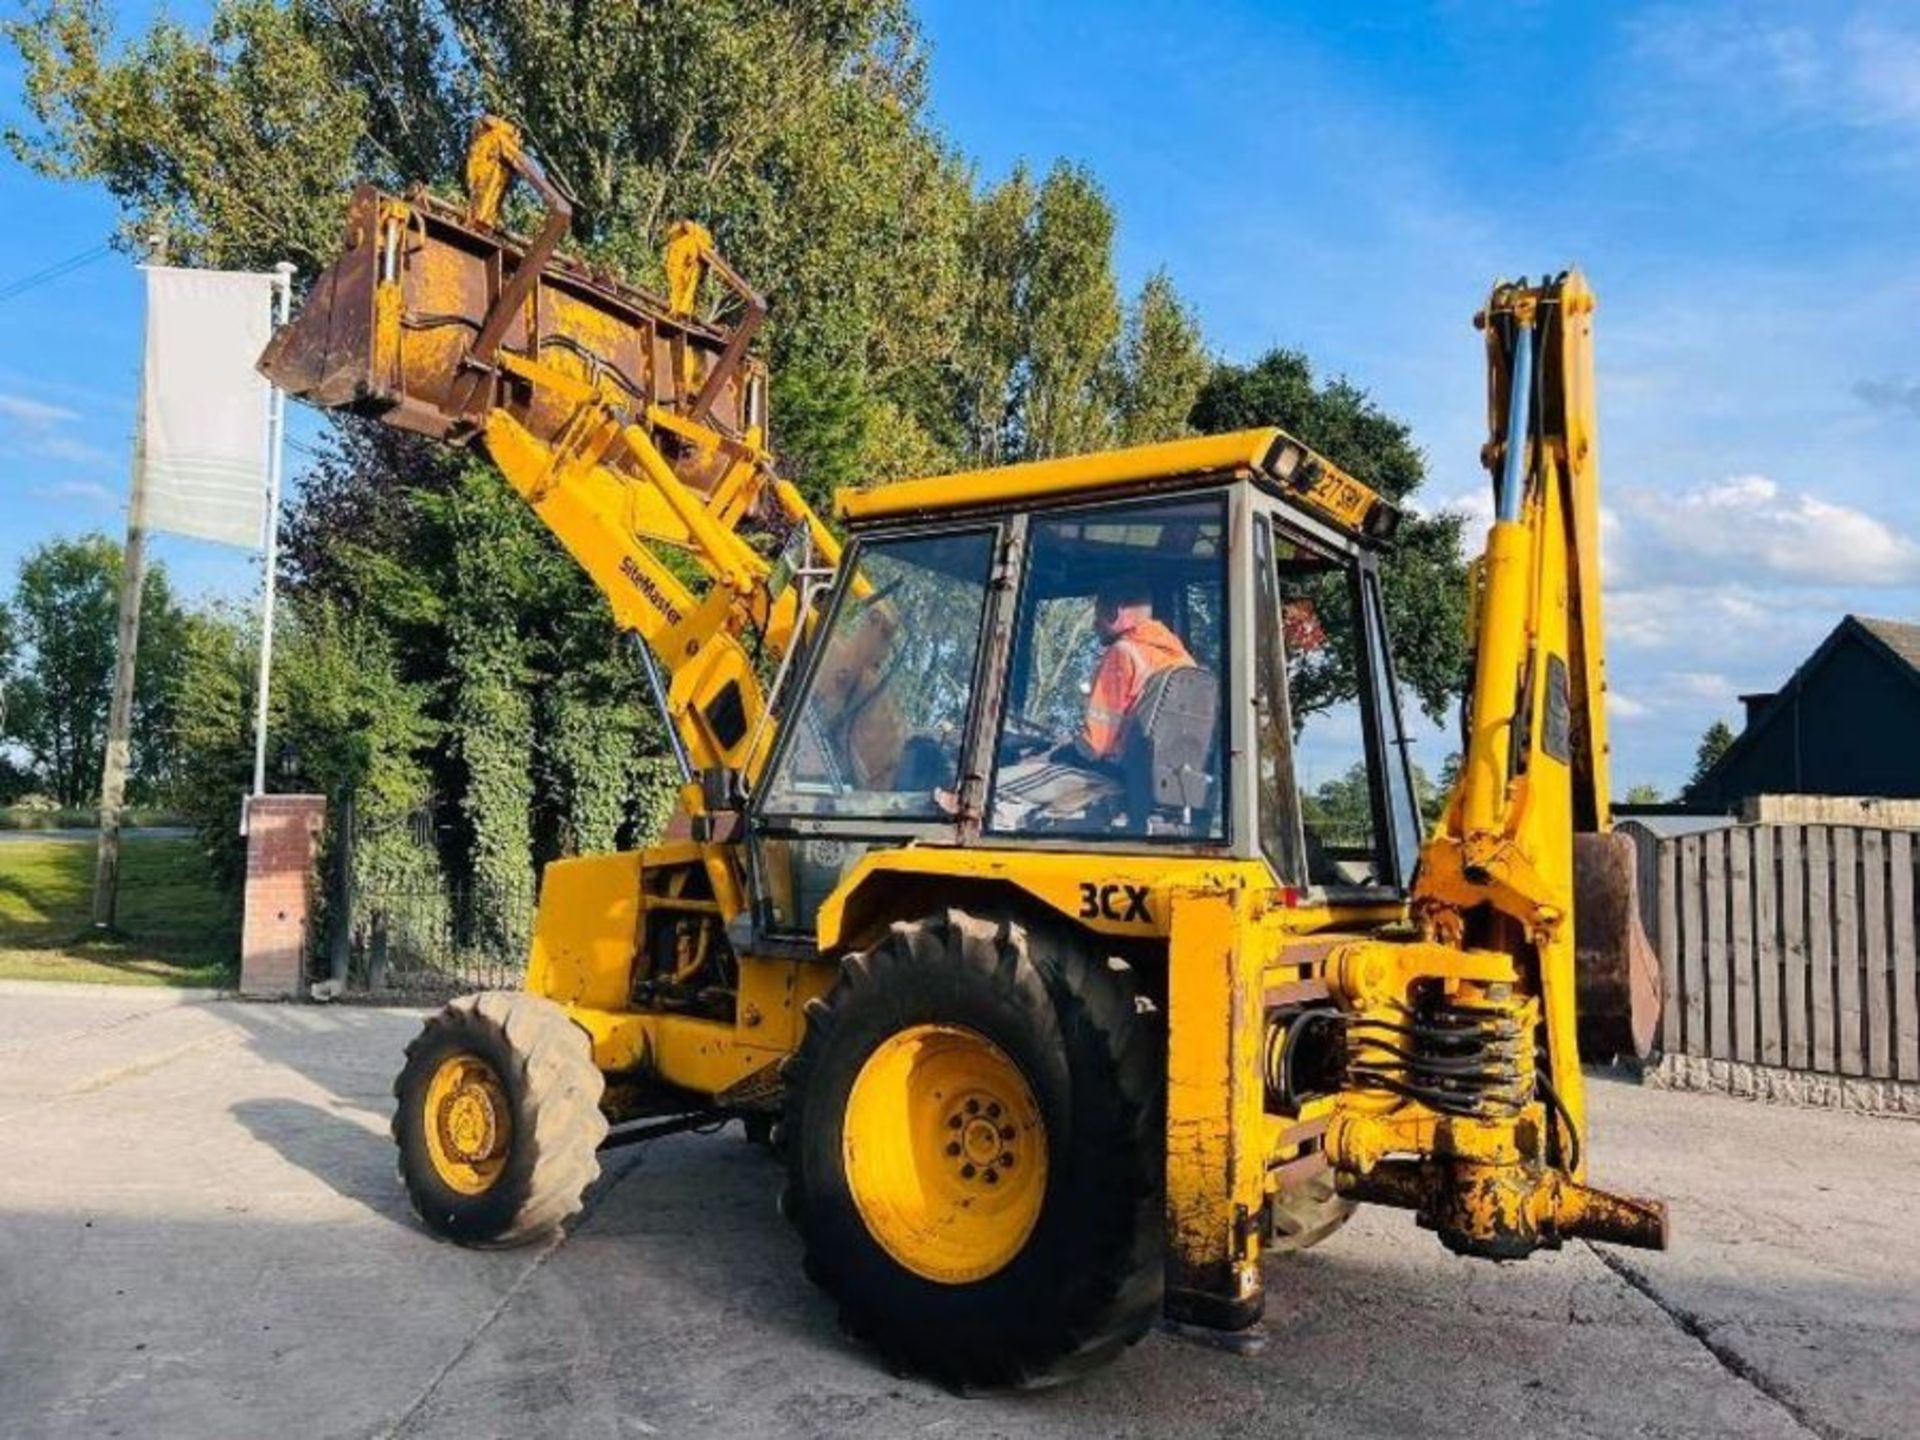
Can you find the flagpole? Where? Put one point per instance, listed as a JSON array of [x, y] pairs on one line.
[[133, 576], [276, 427]]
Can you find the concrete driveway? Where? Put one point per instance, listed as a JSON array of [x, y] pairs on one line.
[[201, 1235]]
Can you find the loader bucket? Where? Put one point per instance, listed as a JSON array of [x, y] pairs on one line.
[[1617, 970], [427, 322]]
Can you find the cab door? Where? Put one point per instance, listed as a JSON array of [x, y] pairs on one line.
[[873, 747]]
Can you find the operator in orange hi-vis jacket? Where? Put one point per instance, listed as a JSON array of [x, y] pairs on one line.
[[1138, 648]]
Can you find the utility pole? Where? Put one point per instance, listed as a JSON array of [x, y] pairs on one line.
[[113, 773], [133, 579]]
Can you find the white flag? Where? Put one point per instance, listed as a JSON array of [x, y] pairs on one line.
[[205, 406]]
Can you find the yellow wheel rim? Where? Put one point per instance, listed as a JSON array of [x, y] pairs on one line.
[[945, 1153], [468, 1124]]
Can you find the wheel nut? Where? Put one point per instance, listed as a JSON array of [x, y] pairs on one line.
[[993, 1111], [953, 1147], [973, 1107], [992, 1177], [1006, 1132], [1006, 1161], [953, 1122], [966, 1172]]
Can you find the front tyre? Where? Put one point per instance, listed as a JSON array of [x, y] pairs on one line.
[[498, 1119], [974, 1152]]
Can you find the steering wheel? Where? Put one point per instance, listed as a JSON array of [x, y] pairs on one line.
[[1021, 737]]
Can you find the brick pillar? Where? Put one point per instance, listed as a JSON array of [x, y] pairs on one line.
[[283, 832]]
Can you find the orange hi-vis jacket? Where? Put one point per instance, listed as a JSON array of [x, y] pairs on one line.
[[1142, 650]]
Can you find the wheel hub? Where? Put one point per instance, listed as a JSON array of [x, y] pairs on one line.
[[986, 1142], [468, 1123], [945, 1152]]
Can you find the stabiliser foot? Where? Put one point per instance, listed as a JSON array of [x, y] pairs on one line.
[[1505, 1212]]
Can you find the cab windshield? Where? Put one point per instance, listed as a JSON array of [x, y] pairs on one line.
[[879, 732]]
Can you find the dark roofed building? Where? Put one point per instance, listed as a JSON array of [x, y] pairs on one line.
[[1846, 723]]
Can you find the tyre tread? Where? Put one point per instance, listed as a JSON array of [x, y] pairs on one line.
[[559, 1118]]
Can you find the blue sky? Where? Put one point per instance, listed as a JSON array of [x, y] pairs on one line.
[[1738, 180]]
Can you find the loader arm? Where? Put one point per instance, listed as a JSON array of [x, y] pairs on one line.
[[635, 429]]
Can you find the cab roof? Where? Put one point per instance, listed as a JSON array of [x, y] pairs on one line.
[[1268, 456]]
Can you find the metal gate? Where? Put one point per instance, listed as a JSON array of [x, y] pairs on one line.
[[397, 926]]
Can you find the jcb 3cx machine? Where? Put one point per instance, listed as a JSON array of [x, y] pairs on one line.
[[1049, 882]]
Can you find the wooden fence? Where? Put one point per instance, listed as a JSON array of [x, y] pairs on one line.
[[1791, 946]]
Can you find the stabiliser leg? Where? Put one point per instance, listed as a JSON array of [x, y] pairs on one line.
[[1215, 1114], [1447, 1111]]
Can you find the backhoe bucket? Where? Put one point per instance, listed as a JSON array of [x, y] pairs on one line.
[[1617, 970]]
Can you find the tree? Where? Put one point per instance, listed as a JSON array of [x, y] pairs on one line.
[[1048, 361], [1715, 743], [65, 613], [997, 255], [543, 742], [1423, 579], [1339, 811], [1069, 318], [9, 653], [342, 720], [1644, 795], [1164, 364], [237, 146]]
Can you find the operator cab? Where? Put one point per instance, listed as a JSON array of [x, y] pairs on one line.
[[1065, 655]]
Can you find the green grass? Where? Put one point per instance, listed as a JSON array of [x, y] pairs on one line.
[[175, 928], [17, 817]]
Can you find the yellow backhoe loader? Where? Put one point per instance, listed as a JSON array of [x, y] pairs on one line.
[[1006, 894]]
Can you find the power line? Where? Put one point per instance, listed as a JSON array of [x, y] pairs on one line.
[[53, 272]]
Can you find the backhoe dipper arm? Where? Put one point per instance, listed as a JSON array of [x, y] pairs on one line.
[[1484, 1134], [635, 429], [1499, 870]]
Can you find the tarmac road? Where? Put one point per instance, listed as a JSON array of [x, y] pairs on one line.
[[201, 1235]]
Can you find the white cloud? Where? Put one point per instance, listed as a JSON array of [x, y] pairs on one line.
[[1883, 65], [37, 427], [1764, 67], [1621, 707], [1717, 619], [91, 491], [35, 414], [1477, 505], [61, 447], [1748, 526], [1706, 685]]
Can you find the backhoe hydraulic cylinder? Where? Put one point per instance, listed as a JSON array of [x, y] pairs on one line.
[[1501, 645], [1513, 467]]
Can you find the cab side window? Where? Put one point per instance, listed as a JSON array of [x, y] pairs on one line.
[[1113, 722], [1329, 712], [1323, 645]]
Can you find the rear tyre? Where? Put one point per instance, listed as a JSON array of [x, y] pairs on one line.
[[498, 1119], [974, 1152]]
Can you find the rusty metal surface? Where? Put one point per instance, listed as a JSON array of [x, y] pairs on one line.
[[414, 365], [1617, 969]]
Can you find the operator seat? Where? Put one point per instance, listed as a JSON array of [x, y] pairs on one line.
[[1166, 751]]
